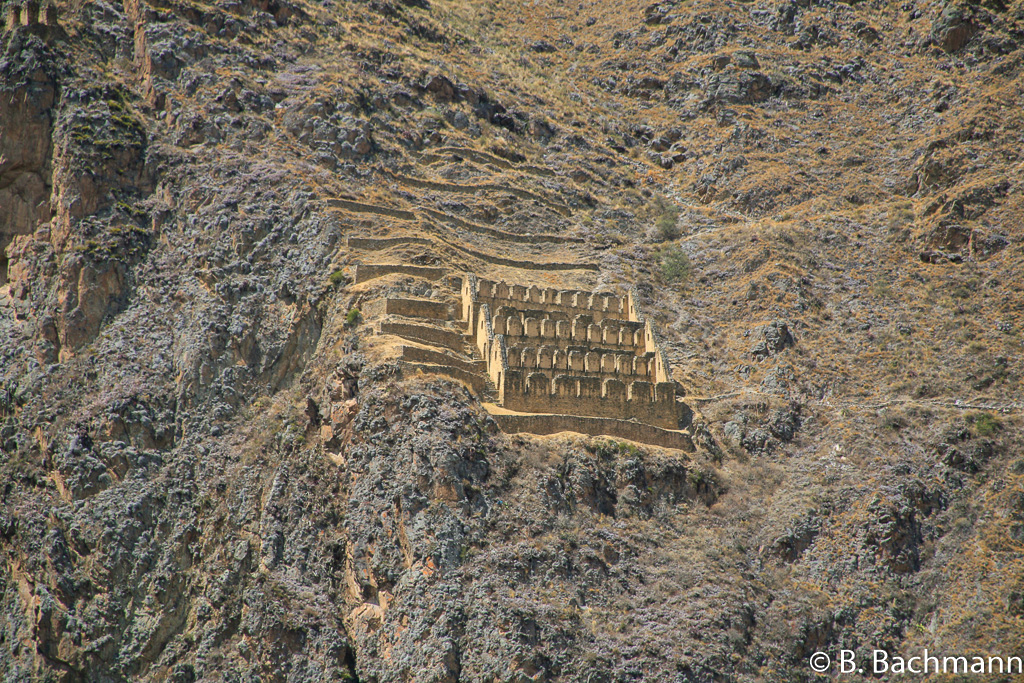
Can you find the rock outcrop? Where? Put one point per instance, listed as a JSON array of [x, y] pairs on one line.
[[28, 95]]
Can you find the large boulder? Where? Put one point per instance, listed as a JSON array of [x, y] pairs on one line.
[[954, 26]]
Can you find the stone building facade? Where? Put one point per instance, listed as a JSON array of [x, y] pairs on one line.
[[570, 352], [29, 13]]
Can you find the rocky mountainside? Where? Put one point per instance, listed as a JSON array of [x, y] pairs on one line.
[[210, 469]]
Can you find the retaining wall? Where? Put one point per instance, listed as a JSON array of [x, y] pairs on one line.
[[595, 426], [500, 234], [425, 334], [418, 355], [360, 207], [485, 158], [481, 187], [371, 271], [517, 263], [477, 383], [377, 243], [590, 396], [413, 308], [476, 155]]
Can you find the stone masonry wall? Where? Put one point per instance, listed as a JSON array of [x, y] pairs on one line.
[[635, 431], [29, 13], [476, 292], [410, 308], [592, 396], [569, 352]]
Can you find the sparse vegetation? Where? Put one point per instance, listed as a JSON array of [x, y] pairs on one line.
[[675, 265], [666, 222], [985, 424]]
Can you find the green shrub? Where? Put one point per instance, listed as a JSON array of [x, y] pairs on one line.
[[626, 448], [986, 424], [337, 278], [352, 317], [612, 449], [667, 217], [675, 264]]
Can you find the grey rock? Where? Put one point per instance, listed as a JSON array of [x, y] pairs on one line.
[[745, 60], [738, 87], [954, 27], [733, 431], [773, 337]]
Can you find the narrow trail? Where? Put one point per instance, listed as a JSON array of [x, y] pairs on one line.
[[499, 234], [477, 188], [411, 215], [360, 207], [481, 157], [528, 262], [954, 404]]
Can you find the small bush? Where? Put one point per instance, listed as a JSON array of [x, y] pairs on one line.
[[629, 449], [675, 264], [436, 116], [352, 317], [613, 449], [882, 289], [986, 424], [337, 278], [667, 217]]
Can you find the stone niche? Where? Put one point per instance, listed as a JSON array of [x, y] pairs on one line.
[[29, 13], [570, 352]]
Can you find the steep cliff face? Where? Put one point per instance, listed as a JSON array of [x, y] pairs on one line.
[[209, 468], [26, 154]]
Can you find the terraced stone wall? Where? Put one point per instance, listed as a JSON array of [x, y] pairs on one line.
[[410, 308], [635, 431], [569, 352], [364, 273]]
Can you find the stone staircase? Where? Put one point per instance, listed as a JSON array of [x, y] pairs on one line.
[[435, 340]]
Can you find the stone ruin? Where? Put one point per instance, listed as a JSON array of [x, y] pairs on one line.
[[570, 352], [541, 360], [30, 14]]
